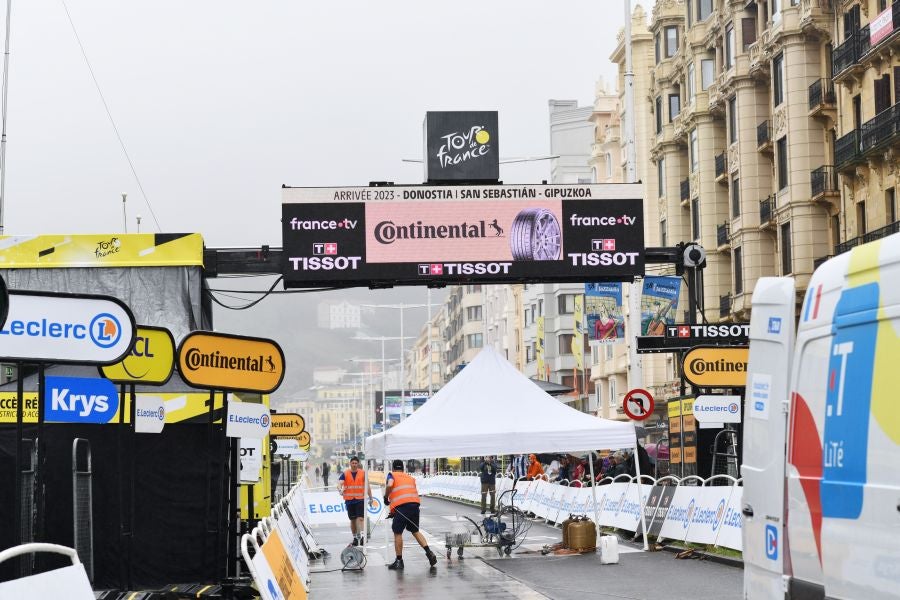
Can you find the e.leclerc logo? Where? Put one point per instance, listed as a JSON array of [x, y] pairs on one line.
[[104, 330], [80, 400]]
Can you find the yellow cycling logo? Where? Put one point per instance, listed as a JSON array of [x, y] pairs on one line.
[[150, 361]]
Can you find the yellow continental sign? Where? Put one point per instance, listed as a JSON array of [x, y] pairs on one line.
[[101, 250], [304, 439], [230, 362], [286, 425], [708, 366], [150, 362], [179, 408]]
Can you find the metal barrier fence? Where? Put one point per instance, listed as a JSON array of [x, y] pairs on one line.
[[688, 509], [278, 549]]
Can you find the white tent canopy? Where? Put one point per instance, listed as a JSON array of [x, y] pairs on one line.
[[491, 408]]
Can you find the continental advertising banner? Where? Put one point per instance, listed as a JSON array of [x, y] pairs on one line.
[[415, 235], [101, 250]]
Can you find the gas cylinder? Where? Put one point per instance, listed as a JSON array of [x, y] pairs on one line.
[[583, 536], [565, 530]]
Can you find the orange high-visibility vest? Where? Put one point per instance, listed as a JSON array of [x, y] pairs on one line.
[[403, 491], [353, 489]]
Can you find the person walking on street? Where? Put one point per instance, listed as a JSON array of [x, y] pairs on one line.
[[351, 484], [326, 469], [488, 470], [535, 468], [403, 498], [317, 472]]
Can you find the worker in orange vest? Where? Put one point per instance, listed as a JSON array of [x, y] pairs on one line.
[[403, 498], [351, 484]]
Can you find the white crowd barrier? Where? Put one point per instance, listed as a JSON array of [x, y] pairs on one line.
[[277, 550], [686, 510]]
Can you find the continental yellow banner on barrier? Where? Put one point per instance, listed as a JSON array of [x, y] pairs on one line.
[[101, 250], [178, 407]]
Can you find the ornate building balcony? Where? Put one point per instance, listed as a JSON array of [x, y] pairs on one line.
[[846, 151], [722, 238], [767, 212], [823, 183], [764, 136], [822, 100]]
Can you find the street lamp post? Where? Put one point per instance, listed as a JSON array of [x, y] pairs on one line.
[[383, 339], [402, 306]]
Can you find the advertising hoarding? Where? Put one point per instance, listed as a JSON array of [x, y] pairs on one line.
[[416, 235], [659, 301], [716, 367], [149, 414], [603, 306], [104, 250], [79, 400], [230, 362], [150, 361], [66, 328], [247, 420]]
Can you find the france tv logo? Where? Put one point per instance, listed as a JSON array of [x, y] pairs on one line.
[[771, 542], [105, 330]]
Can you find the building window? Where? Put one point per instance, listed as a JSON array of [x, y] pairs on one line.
[[656, 50], [707, 73], [566, 304], [608, 165], [890, 205], [732, 119], [835, 230], [781, 150], [775, 6], [704, 9], [691, 82], [861, 218], [695, 218], [659, 119], [738, 272], [612, 389], [778, 80], [735, 198], [661, 178], [693, 150], [540, 312], [671, 41], [787, 266], [748, 32], [529, 353], [473, 340], [674, 106], [729, 46], [565, 343], [663, 236], [473, 313]]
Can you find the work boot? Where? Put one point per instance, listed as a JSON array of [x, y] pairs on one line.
[[397, 565], [432, 559]]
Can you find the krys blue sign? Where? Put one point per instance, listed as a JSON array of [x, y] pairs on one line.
[[80, 400]]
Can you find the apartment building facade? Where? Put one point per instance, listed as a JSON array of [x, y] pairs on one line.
[[418, 363], [860, 191], [464, 332]]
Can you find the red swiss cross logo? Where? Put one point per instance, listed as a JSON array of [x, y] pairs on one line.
[[684, 331], [331, 248]]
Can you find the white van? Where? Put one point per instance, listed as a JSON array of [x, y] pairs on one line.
[[822, 432]]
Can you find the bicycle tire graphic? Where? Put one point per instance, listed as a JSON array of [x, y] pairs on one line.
[[535, 234]]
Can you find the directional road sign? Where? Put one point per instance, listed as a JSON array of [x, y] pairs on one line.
[[638, 404], [286, 425]]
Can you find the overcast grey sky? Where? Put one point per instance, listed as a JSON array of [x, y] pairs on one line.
[[220, 102]]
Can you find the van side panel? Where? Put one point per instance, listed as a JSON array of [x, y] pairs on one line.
[[765, 423]]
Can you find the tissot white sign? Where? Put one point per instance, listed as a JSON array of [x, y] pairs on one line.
[[251, 459], [717, 409], [60, 328], [247, 420]]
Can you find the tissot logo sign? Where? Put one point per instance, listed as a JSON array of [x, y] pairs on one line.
[[230, 362], [417, 234], [58, 328], [79, 400], [461, 146]]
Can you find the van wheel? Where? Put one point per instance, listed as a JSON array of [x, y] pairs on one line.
[[535, 234]]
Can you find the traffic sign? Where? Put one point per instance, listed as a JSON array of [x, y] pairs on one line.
[[638, 404], [287, 425]]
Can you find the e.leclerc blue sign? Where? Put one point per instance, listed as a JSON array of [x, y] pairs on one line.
[[80, 400]]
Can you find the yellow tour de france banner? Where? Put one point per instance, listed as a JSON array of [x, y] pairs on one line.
[[181, 407], [101, 250], [150, 362]]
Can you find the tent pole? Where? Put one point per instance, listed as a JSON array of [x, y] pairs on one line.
[[637, 468], [594, 494], [386, 541]]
